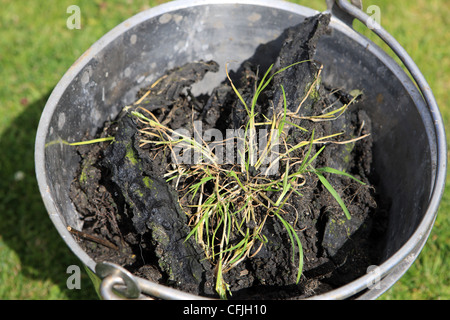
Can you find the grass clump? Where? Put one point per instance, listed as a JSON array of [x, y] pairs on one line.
[[228, 204]]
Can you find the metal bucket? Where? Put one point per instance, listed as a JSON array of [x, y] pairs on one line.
[[408, 132]]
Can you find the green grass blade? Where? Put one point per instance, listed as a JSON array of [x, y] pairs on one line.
[[293, 234], [203, 219], [308, 153], [296, 125], [286, 186], [194, 188], [264, 85], [241, 250], [141, 116], [288, 229], [91, 141], [283, 122], [234, 175], [315, 156], [335, 171], [236, 91], [333, 192]]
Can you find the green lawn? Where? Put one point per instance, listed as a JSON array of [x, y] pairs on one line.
[[36, 48]]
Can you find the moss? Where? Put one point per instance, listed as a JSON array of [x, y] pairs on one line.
[[163, 240], [148, 183], [139, 193], [83, 176], [314, 95], [348, 148], [86, 171], [130, 155]]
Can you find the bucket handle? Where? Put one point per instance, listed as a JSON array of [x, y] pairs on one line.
[[119, 284], [347, 12]]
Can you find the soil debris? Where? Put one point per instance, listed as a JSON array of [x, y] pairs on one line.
[[123, 197]]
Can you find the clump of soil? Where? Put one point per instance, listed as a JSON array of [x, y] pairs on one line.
[[123, 197]]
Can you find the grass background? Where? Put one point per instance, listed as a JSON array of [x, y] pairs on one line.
[[36, 48]]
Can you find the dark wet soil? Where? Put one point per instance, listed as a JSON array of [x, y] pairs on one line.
[[123, 198]]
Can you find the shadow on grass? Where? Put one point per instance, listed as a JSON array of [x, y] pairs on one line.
[[24, 224]]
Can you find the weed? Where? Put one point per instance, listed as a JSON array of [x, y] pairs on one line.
[[228, 205]]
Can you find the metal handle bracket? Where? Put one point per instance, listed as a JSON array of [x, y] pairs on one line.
[[334, 8], [118, 283]]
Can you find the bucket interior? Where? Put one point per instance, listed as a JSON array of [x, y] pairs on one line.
[[140, 50]]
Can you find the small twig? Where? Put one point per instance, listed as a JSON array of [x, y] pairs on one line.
[[361, 127], [347, 141], [148, 92], [89, 237]]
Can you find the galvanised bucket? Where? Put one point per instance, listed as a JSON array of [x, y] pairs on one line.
[[409, 151]]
